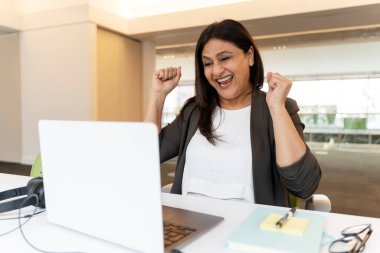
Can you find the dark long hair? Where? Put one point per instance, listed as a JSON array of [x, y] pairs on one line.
[[206, 96]]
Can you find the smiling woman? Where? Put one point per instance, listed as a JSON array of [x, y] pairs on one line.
[[234, 141]]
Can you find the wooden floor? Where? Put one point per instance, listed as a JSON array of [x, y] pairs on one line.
[[15, 168], [350, 179]]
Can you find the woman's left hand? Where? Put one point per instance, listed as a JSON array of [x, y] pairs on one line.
[[279, 88]]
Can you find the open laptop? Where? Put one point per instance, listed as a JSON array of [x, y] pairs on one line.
[[103, 179]]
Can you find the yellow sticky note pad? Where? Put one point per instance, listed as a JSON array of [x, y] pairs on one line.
[[294, 226]]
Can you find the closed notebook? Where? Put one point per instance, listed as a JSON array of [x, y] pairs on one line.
[[255, 233]]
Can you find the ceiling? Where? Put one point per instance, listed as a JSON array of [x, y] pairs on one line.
[[331, 26]]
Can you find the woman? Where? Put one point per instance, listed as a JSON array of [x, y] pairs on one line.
[[234, 141]]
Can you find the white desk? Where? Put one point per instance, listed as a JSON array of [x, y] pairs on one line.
[[51, 237]]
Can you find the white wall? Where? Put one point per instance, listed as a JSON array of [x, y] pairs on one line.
[[10, 98], [336, 59], [56, 79], [185, 61]]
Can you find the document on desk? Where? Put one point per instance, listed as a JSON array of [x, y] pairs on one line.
[[255, 234]]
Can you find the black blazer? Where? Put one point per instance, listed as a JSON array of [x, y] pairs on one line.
[[270, 182]]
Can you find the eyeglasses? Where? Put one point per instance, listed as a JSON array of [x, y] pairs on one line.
[[353, 240]]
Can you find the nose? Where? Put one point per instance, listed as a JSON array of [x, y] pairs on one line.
[[217, 69]]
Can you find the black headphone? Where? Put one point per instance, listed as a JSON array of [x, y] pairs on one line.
[[34, 186]]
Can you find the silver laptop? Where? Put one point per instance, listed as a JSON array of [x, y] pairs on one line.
[[103, 179]]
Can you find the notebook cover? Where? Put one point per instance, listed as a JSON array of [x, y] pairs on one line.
[[248, 237]]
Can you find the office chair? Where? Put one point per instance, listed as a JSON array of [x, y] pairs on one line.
[[36, 170], [316, 202]]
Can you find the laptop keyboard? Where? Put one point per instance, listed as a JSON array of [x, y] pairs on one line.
[[173, 233]]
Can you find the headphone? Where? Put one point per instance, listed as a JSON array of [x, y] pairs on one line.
[[34, 186]]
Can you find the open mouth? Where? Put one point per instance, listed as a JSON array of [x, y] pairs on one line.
[[224, 81]]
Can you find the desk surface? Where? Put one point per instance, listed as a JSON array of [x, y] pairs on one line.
[[51, 237]]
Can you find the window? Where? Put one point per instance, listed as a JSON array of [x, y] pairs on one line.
[[175, 100], [345, 110]]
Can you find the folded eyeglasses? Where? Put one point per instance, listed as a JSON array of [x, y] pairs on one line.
[[353, 240]]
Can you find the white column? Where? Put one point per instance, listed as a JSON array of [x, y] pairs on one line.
[[10, 98], [148, 66], [56, 79]]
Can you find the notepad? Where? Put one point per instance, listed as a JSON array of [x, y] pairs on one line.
[[294, 226], [249, 237]]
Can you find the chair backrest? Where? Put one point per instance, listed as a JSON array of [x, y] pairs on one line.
[[318, 202], [36, 170], [293, 200]]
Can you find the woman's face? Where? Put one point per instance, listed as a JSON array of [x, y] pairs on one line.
[[226, 68]]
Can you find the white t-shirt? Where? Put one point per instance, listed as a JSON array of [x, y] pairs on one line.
[[223, 171]]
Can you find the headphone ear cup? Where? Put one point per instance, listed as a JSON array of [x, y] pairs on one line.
[[36, 186]]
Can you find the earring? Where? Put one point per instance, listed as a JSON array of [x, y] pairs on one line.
[[251, 63]]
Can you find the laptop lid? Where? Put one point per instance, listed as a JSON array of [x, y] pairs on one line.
[[103, 179]]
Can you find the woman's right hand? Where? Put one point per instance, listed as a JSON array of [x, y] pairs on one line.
[[165, 80]]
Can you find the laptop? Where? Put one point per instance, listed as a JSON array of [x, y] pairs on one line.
[[103, 179]]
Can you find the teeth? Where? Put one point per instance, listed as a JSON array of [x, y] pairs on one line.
[[223, 79]]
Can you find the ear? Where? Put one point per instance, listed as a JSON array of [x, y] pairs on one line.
[[250, 55]]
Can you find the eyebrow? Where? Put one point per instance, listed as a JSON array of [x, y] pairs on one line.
[[218, 54]]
